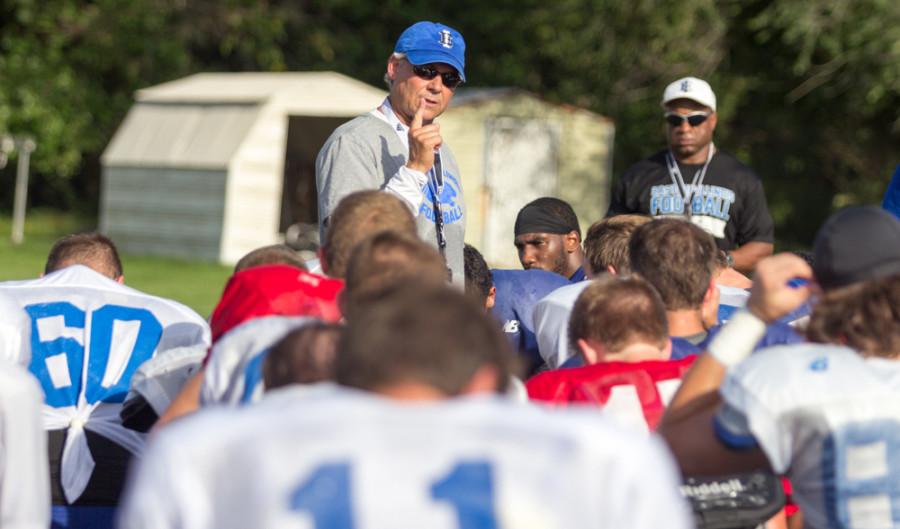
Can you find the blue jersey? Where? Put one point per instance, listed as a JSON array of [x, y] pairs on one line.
[[517, 293], [734, 299], [777, 333]]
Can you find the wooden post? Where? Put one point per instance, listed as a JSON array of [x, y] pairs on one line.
[[25, 147]]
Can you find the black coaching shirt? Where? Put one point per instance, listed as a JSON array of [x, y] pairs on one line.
[[731, 204]]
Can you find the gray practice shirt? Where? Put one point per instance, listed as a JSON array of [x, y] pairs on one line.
[[366, 153]]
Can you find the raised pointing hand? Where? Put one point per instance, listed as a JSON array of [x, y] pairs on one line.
[[423, 140]]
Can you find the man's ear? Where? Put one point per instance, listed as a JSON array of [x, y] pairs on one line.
[[589, 350], [121, 279], [572, 241], [709, 310], [712, 291], [491, 298], [611, 269], [392, 67]]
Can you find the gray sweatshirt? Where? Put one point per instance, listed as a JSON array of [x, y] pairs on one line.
[[366, 153]]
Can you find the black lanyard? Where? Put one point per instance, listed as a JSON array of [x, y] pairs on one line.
[[436, 182]]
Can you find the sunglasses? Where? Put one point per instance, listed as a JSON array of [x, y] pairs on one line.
[[451, 79], [694, 118]]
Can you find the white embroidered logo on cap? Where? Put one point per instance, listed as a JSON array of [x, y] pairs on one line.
[[446, 39]]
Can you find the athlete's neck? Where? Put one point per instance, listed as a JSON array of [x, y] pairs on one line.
[[697, 158], [685, 322], [637, 352], [415, 391]]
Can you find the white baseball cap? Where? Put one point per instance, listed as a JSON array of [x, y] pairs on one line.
[[690, 88]]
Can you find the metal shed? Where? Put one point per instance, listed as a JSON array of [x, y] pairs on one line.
[[197, 168], [214, 165], [513, 147]]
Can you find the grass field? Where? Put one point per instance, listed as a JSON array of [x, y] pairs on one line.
[[196, 284]]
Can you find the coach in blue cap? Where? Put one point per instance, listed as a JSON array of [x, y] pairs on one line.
[[398, 147]]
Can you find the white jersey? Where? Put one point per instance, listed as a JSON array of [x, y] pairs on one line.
[[88, 336], [233, 374], [161, 379], [24, 476], [340, 459], [830, 420], [551, 323], [15, 330]]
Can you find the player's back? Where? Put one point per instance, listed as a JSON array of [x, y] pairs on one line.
[[343, 459], [88, 336], [635, 392], [233, 372], [830, 420]]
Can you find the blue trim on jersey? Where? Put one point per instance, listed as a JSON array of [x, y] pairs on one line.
[[579, 275], [82, 517], [731, 439], [726, 312], [253, 375], [682, 348], [575, 361]]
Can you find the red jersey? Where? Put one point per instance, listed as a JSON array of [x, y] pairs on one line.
[[275, 290], [632, 390]]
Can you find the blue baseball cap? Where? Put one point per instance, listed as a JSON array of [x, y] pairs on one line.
[[426, 42]]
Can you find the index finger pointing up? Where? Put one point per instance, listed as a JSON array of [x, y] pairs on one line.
[[418, 117]]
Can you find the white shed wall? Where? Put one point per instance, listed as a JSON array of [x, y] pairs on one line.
[[253, 192]]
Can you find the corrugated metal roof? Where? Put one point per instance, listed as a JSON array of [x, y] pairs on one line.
[[204, 136], [201, 120], [315, 93]]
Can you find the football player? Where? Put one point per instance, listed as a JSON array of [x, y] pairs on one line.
[[680, 260], [234, 371], [415, 436], [304, 356], [619, 326], [548, 237], [89, 333], [283, 297], [826, 413], [605, 251]]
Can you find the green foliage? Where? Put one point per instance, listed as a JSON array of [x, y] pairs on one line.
[[809, 90]]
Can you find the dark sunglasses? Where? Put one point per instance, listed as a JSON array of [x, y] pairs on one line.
[[694, 118], [451, 79]]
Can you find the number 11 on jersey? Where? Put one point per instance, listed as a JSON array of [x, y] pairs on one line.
[[468, 487]]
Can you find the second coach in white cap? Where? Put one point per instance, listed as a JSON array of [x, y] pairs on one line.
[[694, 179]]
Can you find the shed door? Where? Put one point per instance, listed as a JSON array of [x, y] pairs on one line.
[[521, 164]]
